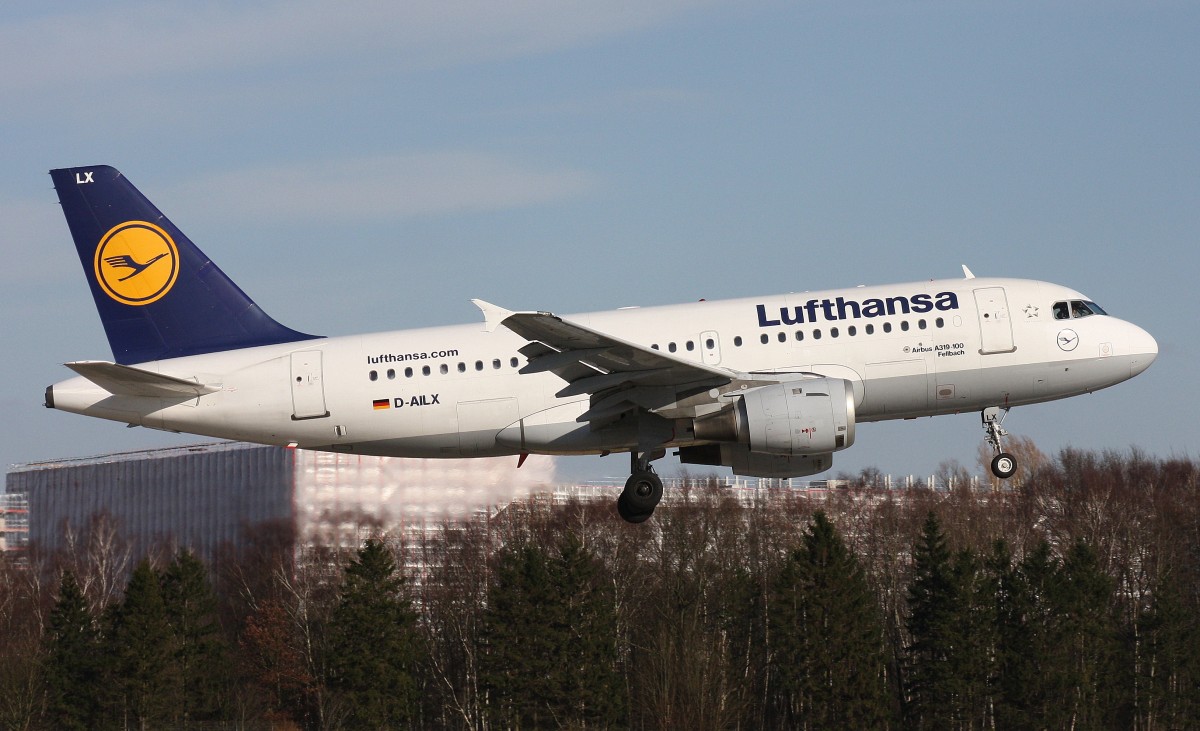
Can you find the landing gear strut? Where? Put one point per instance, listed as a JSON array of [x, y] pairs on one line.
[[1003, 464], [642, 490]]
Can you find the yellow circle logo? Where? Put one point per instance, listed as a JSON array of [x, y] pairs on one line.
[[136, 263]]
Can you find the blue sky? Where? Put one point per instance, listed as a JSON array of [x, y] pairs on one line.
[[363, 166]]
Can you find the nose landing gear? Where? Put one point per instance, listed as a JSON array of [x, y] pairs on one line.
[[642, 490], [1003, 464]]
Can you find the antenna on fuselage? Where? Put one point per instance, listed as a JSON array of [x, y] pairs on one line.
[[967, 272]]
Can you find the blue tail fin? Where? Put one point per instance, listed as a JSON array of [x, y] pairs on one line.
[[158, 295]]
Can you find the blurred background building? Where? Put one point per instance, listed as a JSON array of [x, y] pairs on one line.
[[207, 496]]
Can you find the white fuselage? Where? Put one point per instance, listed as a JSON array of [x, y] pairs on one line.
[[963, 345]]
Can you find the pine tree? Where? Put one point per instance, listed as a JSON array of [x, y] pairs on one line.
[[973, 640], [371, 643], [1087, 639], [550, 636], [828, 636], [72, 651], [141, 650], [1026, 672], [932, 596], [592, 691], [200, 648], [1170, 661]]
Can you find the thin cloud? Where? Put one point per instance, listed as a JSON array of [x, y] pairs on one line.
[[385, 187], [153, 40]]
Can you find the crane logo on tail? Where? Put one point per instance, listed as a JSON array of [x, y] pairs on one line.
[[136, 263]]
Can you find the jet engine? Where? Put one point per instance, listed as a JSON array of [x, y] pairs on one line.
[[801, 418]]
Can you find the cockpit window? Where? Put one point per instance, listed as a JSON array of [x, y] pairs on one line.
[[1076, 309]]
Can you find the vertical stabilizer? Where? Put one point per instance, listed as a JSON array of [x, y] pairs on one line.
[[158, 295]]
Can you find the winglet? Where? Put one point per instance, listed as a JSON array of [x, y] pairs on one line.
[[967, 272], [493, 315]]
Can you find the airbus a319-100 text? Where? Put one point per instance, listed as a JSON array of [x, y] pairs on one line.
[[769, 386]]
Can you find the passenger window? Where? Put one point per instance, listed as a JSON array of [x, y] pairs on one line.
[[690, 345], [513, 362], [799, 335], [921, 324], [671, 347], [833, 332], [851, 331], [444, 369], [425, 371], [710, 344], [783, 337], [870, 329], [373, 375], [462, 367], [654, 347], [737, 341], [478, 365], [408, 372], [904, 325], [940, 322], [391, 374], [496, 363], [887, 327], [816, 334]]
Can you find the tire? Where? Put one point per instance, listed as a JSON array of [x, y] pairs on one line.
[[642, 492], [628, 516], [1004, 465]]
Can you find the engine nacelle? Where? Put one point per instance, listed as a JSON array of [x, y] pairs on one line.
[[802, 417], [755, 464]]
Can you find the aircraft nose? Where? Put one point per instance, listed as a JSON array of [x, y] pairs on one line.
[[1143, 348]]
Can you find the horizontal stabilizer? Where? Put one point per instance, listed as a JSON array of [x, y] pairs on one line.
[[121, 380]]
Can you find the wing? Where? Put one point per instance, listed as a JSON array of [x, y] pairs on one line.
[[619, 375]]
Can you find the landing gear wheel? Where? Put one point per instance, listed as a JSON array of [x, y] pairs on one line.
[[643, 489], [627, 515], [642, 492], [1004, 465]]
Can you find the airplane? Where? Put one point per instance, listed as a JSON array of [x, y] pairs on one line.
[[770, 386]]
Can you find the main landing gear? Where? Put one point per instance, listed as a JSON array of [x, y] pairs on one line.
[[642, 490], [1003, 464]]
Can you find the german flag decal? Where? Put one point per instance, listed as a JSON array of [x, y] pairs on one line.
[[381, 403]]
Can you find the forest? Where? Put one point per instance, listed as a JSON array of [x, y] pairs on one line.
[[1066, 598]]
